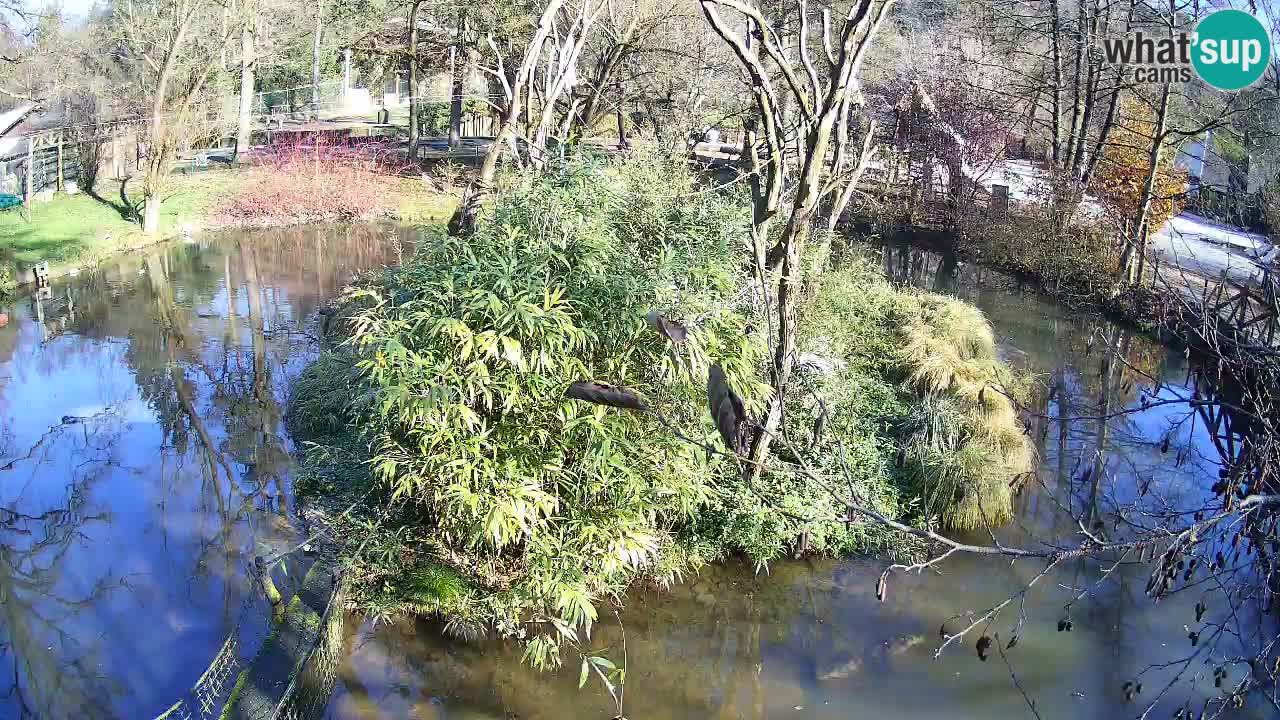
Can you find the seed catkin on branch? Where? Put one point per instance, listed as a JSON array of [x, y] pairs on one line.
[[727, 410], [671, 330], [605, 394]]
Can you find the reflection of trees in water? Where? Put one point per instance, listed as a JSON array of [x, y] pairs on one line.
[[724, 644], [1131, 436], [52, 672], [226, 392], [207, 332]]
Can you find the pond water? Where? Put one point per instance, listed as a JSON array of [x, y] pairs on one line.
[[144, 463]]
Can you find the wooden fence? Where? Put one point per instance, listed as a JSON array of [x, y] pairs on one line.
[[48, 160]]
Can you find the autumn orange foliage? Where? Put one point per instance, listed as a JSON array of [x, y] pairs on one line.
[[1122, 170]]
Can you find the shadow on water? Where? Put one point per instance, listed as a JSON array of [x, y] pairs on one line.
[[809, 639], [143, 461]]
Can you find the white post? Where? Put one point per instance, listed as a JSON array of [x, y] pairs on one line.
[[31, 168], [346, 70]]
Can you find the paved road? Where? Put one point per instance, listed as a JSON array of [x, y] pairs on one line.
[[1207, 248]]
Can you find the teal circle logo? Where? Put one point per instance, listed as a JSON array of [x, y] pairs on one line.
[[1232, 50]]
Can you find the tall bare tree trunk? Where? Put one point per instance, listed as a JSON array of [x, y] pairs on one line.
[[463, 61], [158, 144], [1076, 100], [1093, 72], [1108, 121], [1137, 245], [317, 37], [415, 105], [244, 123], [1055, 43]]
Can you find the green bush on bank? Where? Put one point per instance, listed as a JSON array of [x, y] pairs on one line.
[[8, 284], [522, 510], [544, 505]]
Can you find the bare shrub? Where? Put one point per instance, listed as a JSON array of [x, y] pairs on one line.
[[314, 179]]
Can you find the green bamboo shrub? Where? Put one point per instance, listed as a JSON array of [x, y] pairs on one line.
[[464, 354], [520, 511]]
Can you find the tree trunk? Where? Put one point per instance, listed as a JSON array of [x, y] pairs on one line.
[[590, 111], [157, 149], [791, 282], [244, 125], [150, 212], [560, 76], [1138, 242], [456, 90], [1076, 96], [1109, 119], [463, 61], [1093, 72], [415, 106], [30, 173], [622, 127], [1055, 43], [317, 36], [464, 218]]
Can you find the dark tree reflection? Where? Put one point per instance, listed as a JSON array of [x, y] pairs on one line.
[[143, 461]]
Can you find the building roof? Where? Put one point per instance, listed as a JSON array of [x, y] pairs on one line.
[[11, 119], [13, 125]]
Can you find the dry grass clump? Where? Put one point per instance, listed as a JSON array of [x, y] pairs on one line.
[[961, 438], [965, 445]]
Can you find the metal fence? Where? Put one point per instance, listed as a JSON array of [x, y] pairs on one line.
[[308, 693], [311, 681], [206, 697]]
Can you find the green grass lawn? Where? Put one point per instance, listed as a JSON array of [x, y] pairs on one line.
[[73, 230]]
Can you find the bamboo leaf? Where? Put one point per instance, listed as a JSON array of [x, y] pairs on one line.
[[603, 662]]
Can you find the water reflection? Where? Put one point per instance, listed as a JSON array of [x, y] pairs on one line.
[[810, 640], [143, 459]]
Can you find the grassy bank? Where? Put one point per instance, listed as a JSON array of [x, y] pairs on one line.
[[484, 495], [72, 231]]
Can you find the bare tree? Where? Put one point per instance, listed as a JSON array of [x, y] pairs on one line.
[[789, 183], [557, 40], [317, 40], [172, 47], [244, 119]]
